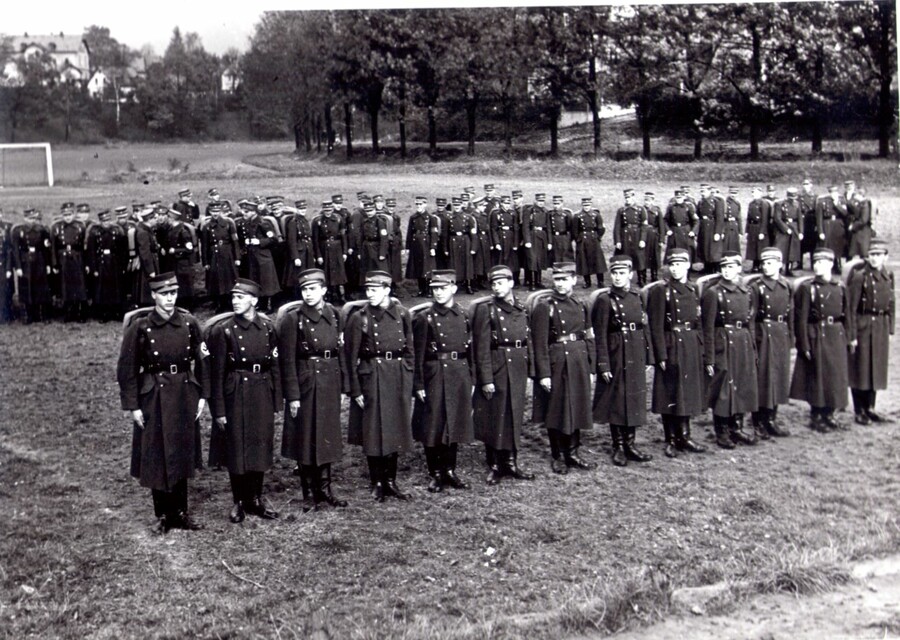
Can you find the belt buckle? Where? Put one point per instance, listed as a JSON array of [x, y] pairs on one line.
[[389, 355], [173, 368], [830, 320], [739, 324], [780, 318], [518, 344], [326, 354], [632, 326], [256, 368], [454, 355]]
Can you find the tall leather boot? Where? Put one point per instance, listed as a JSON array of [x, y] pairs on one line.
[[758, 419], [308, 477], [587, 281], [654, 275], [390, 478], [237, 511], [870, 407], [325, 493], [376, 485], [557, 465], [771, 424], [722, 437], [618, 455], [489, 455], [259, 506], [513, 469], [449, 455], [671, 449], [642, 277], [684, 436], [736, 427], [495, 472], [433, 460], [570, 453], [631, 451]]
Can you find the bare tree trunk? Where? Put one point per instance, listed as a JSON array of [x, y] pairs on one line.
[[555, 111], [402, 119], [886, 106], [507, 125], [756, 59], [819, 75], [298, 135], [594, 102], [373, 129], [471, 110], [318, 134], [348, 128], [432, 132], [329, 130], [698, 144]]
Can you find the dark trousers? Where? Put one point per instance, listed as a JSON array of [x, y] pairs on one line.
[[563, 444], [170, 503], [246, 486], [441, 458], [863, 400]]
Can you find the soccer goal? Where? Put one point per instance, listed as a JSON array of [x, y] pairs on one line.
[[26, 165]]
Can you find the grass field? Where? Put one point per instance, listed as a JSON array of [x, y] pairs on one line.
[[589, 553]]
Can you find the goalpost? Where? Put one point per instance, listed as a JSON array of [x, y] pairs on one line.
[[26, 164]]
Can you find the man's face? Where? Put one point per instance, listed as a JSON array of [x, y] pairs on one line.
[[563, 284], [68, 216], [165, 300], [756, 194], [731, 271], [876, 259], [679, 269], [215, 197], [241, 302], [822, 268], [444, 293], [376, 293], [629, 200], [517, 201], [186, 197], [215, 213], [501, 287], [420, 207], [620, 276], [586, 207], [807, 187], [313, 294], [648, 202], [679, 199], [771, 267], [704, 192]]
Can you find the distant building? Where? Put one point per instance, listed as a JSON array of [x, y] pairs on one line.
[[104, 80], [230, 80], [70, 54]]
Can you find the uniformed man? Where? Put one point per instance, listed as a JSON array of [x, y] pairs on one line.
[[788, 232], [587, 230], [460, 229], [729, 354], [163, 376], [859, 221], [441, 213], [831, 224], [680, 225], [620, 397], [442, 419], [246, 393], [820, 328], [808, 200], [422, 238], [329, 242], [630, 235], [564, 354], [654, 233], [504, 235], [871, 315], [32, 261], [771, 296], [372, 248], [482, 250], [500, 337], [220, 250], [68, 245], [380, 361], [181, 249], [6, 271], [711, 212], [106, 257], [560, 221], [215, 199], [186, 206], [535, 227], [262, 236], [673, 311], [395, 243], [759, 213], [313, 376], [731, 238], [298, 243]]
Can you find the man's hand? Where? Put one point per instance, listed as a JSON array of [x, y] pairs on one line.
[[800, 236], [546, 384], [853, 345], [790, 232], [488, 390], [385, 257], [298, 262], [48, 270], [294, 407], [618, 245], [421, 395], [497, 247], [527, 245], [607, 376], [662, 365], [432, 252], [642, 244], [200, 406], [710, 370], [221, 422], [762, 236], [320, 260], [137, 416], [360, 402], [237, 263], [717, 237]]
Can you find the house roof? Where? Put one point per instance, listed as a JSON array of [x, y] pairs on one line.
[[52, 43]]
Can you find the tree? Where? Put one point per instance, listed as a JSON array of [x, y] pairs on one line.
[[590, 26], [113, 59]]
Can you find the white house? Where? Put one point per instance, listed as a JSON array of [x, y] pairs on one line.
[[70, 54]]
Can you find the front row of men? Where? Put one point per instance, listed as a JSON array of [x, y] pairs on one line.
[[727, 349]]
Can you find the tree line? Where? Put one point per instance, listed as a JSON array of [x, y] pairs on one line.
[[736, 71]]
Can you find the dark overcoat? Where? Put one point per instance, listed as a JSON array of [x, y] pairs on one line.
[[442, 338], [629, 230], [68, 258], [458, 234], [535, 226], [261, 265], [679, 222], [588, 229], [31, 254], [711, 212], [422, 237], [504, 233], [220, 251], [728, 316], [786, 217], [560, 221], [773, 301], [311, 351], [500, 339], [859, 227], [246, 389], [329, 242], [831, 221], [373, 246], [564, 351], [871, 324], [820, 320], [163, 370], [107, 257], [617, 318], [759, 213], [673, 310], [380, 362], [182, 244], [731, 240], [146, 252]]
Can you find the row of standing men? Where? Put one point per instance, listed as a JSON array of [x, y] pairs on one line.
[[727, 349]]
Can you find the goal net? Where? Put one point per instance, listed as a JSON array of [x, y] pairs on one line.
[[26, 165]]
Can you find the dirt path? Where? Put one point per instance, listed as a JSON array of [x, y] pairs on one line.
[[867, 608]]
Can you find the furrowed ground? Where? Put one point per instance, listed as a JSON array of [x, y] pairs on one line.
[[591, 552]]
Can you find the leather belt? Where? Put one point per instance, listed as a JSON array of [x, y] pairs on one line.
[[774, 319], [538, 228], [827, 320], [324, 355], [381, 355], [625, 328], [737, 324], [511, 344], [444, 355], [681, 326], [505, 227], [572, 337], [875, 313], [253, 368], [168, 368]]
